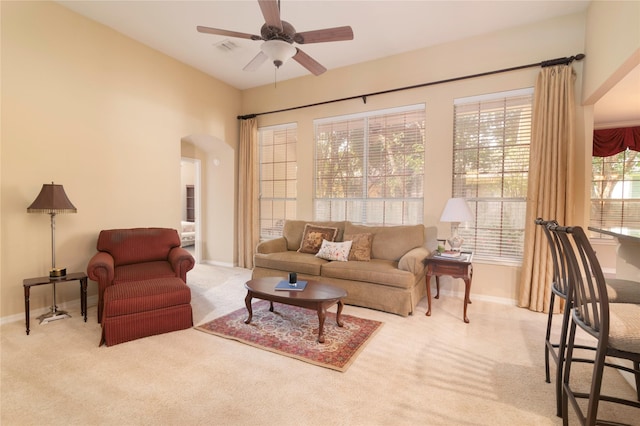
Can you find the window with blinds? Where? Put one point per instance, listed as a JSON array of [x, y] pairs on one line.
[[492, 136], [278, 178], [369, 168], [615, 191]]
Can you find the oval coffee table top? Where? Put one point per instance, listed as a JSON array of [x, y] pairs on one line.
[[314, 291]]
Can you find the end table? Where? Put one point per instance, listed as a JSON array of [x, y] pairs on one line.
[[461, 267], [76, 276]]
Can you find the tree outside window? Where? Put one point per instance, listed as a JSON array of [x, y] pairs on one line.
[[492, 137], [369, 168], [615, 191]]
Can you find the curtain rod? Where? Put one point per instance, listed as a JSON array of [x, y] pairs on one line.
[[549, 63]]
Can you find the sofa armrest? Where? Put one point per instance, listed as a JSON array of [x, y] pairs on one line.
[[272, 246], [101, 268], [412, 260], [181, 261]]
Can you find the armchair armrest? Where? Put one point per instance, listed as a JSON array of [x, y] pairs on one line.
[[412, 260], [101, 268], [272, 246], [181, 261]]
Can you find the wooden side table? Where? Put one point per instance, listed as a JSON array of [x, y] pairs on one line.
[[455, 267], [76, 276]]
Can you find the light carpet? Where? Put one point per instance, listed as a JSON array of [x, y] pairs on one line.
[[293, 332], [433, 370]]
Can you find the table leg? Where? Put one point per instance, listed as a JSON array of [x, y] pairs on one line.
[[26, 307], [437, 287], [339, 313], [428, 280], [83, 298], [247, 302], [322, 313], [467, 289]]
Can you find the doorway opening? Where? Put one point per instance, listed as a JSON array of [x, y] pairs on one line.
[[191, 216]]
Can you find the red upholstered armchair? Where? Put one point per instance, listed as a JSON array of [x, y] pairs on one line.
[[138, 254]]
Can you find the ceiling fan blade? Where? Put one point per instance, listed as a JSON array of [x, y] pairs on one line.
[[255, 63], [271, 13], [321, 36], [227, 33], [308, 62]]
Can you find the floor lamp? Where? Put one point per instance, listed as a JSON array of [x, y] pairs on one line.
[[53, 200]]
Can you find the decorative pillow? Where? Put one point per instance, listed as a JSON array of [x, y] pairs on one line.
[[312, 237], [334, 251], [360, 247]]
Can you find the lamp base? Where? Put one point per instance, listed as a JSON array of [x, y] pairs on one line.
[[57, 272], [455, 242], [53, 316]]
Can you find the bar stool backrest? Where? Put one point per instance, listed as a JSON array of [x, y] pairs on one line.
[[560, 283], [590, 311]]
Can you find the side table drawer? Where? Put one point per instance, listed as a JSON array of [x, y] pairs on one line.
[[449, 268]]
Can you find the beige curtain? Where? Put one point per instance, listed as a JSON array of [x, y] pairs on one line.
[[550, 171], [248, 221]]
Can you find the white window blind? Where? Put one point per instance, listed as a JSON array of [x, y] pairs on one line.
[[615, 191], [278, 178], [492, 137], [369, 168]]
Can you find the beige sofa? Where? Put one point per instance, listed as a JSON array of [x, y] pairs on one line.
[[391, 281]]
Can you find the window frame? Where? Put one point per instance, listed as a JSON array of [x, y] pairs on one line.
[[287, 202], [362, 207], [629, 178], [497, 249]]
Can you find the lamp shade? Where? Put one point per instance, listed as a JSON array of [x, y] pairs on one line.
[[456, 210], [278, 51], [52, 199]]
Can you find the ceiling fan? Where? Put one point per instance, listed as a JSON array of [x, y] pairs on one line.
[[279, 36]]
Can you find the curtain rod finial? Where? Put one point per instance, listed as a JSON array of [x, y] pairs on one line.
[[246, 117]]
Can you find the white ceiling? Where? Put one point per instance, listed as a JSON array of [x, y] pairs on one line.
[[381, 28]]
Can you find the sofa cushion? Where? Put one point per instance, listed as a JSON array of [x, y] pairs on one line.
[[376, 271], [390, 242], [334, 251], [313, 236], [293, 229], [290, 261], [360, 246]]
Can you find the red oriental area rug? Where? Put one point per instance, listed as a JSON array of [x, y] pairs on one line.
[[293, 332]]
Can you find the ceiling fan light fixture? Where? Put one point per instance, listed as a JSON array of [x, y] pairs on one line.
[[278, 51]]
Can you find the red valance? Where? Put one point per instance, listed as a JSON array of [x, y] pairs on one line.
[[607, 142]]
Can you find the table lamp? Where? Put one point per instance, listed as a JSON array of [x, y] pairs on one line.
[[456, 211], [53, 200]]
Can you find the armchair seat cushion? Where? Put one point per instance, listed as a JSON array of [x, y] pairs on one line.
[[143, 271]]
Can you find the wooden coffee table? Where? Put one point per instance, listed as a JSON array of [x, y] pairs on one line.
[[316, 295]]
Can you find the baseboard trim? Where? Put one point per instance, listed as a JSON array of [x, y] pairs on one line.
[[72, 305], [484, 298], [216, 263]]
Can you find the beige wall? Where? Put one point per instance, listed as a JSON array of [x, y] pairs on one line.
[[612, 45], [525, 45], [103, 115], [110, 119]]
